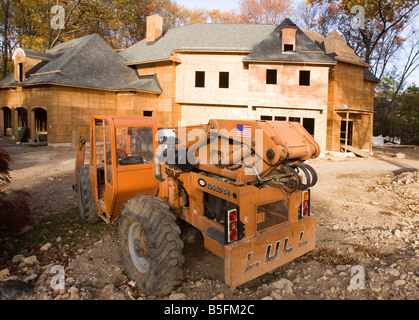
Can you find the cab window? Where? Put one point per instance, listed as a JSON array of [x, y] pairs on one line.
[[134, 145]]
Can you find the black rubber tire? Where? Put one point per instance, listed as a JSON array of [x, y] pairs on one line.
[[87, 206], [159, 244]]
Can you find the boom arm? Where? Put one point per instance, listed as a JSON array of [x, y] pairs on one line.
[[245, 150]]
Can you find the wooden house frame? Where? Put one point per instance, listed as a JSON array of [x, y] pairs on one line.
[[190, 74]]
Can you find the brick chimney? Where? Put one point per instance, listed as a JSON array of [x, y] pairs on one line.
[[154, 28]]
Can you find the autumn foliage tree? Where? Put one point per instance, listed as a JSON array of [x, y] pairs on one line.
[[381, 39], [216, 16], [26, 23], [265, 11], [383, 23]]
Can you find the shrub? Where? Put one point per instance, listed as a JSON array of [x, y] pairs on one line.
[[5, 161], [14, 207], [14, 210]]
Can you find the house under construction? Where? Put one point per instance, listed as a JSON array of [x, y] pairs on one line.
[[191, 74]]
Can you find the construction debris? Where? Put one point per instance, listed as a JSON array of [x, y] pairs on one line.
[[405, 185]]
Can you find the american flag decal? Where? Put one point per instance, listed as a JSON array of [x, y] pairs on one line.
[[244, 131]]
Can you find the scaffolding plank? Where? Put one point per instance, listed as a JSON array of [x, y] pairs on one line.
[[356, 151]]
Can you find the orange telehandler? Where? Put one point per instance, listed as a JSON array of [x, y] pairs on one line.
[[243, 184]]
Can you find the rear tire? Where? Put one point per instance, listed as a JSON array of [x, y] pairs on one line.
[[150, 245], [87, 206]]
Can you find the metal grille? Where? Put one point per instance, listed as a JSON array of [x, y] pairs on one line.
[[272, 214]]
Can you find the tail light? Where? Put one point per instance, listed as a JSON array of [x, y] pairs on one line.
[[232, 225], [305, 204]]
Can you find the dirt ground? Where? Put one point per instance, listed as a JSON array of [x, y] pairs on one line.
[[367, 228]]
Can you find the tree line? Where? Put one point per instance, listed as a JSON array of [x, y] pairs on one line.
[[387, 39], [389, 42]]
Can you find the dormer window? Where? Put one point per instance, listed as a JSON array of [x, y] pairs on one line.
[[21, 75], [24, 60], [288, 47], [19, 58], [288, 35]]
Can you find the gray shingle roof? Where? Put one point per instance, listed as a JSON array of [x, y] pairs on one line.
[[87, 62], [144, 83], [270, 49], [368, 75], [200, 36], [262, 42]]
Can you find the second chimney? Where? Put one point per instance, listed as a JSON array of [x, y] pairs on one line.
[[154, 28]]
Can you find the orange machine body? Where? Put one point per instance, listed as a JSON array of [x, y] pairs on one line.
[[226, 182]]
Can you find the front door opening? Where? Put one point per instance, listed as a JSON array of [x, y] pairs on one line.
[[7, 120], [349, 135], [40, 120], [308, 124], [22, 116]]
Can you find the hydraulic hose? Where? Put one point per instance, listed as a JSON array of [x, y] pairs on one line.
[[309, 173]]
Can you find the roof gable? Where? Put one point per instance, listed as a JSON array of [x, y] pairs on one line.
[[270, 49], [336, 47]]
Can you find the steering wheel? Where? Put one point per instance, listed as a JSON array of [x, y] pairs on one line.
[[119, 155], [131, 160]]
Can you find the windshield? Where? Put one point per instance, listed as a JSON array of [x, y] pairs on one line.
[[134, 145]]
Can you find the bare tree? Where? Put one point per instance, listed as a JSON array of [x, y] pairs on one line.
[[398, 80], [51, 43], [306, 16], [387, 49]]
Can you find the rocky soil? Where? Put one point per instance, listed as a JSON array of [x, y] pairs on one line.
[[367, 238]]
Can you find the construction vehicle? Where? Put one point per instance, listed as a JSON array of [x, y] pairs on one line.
[[243, 184]]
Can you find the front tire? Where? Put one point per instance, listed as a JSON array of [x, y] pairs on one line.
[[150, 245], [87, 206]]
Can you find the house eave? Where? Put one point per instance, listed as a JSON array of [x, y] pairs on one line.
[[27, 85], [289, 62]]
